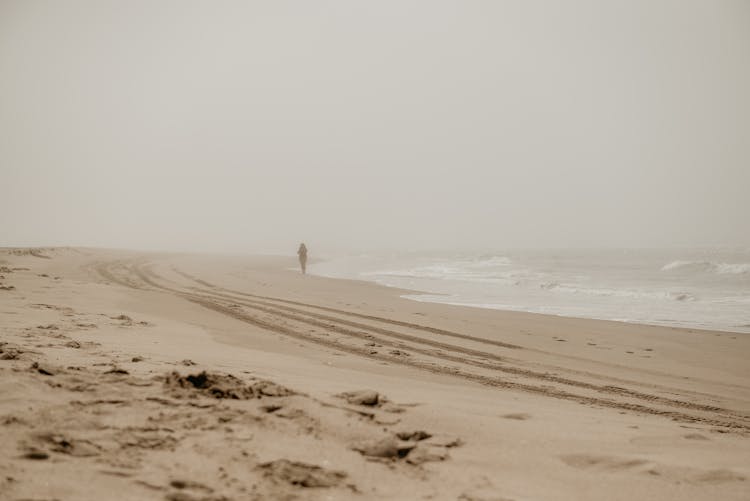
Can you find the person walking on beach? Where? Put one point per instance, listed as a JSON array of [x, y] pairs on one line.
[[302, 253]]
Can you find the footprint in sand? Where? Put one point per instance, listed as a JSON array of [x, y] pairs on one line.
[[301, 474], [271, 408], [388, 447], [519, 416], [613, 464], [716, 477], [43, 369], [482, 495], [41, 444], [35, 454], [695, 436], [221, 386], [601, 463], [694, 476], [117, 371], [182, 484], [363, 397], [9, 352], [415, 447], [399, 353], [125, 320]]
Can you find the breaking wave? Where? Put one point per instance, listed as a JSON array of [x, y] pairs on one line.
[[708, 267], [705, 290], [480, 269]]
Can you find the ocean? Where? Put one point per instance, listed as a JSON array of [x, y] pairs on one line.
[[698, 288]]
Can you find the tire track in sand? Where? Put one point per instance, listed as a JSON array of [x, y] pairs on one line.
[[294, 314], [276, 324]]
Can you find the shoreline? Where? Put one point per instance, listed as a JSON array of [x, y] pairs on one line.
[[437, 296], [688, 327]]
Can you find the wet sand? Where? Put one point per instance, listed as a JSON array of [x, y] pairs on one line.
[[186, 377]]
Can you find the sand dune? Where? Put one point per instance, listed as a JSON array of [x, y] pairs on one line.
[[162, 376]]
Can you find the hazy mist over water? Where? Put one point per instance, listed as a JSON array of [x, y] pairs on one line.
[[252, 126]]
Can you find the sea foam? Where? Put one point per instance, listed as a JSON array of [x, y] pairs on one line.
[[705, 288], [708, 267]]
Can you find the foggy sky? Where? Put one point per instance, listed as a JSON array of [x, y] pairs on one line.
[[252, 126]]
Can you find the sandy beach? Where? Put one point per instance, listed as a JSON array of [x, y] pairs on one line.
[[130, 375]]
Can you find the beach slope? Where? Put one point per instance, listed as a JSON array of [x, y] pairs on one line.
[[197, 377]]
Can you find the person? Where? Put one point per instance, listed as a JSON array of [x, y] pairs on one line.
[[302, 253]]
